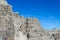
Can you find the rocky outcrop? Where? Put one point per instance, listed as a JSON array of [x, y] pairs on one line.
[[15, 27], [55, 34]]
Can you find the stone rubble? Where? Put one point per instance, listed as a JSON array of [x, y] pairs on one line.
[[15, 27]]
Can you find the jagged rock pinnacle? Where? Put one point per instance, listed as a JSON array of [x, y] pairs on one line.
[[3, 2]]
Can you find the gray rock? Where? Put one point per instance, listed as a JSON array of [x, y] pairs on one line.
[[15, 27]]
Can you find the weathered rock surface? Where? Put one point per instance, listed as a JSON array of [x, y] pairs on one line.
[[15, 27]]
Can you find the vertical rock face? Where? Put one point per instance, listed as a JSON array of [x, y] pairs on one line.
[[15, 27], [6, 22], [33, 29]]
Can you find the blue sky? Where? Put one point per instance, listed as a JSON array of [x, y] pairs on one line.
[[47, 11]]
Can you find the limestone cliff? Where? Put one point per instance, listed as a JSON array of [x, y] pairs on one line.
[[15, 27]]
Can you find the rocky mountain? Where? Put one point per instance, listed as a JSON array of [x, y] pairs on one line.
[[15, 27]]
